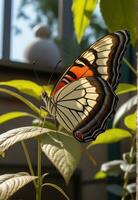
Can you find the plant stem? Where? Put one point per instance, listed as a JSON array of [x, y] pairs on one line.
[[126, 175], [130, 66], [39, 163], [28, 161]]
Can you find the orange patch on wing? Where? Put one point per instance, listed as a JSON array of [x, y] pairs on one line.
[[80, 72]]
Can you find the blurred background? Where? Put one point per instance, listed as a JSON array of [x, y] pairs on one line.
[[34, 36]]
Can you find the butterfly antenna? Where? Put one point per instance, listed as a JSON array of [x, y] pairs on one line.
[[37, 77], [55, 69]]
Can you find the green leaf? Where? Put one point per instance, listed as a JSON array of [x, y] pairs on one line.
[[100, 175], [27, 87], [120, 14], [57, 188], [125, 88], [82, 11], [63, 151], [125, 108], [21, 98], [110, 136], [130, 121], [12, 115]]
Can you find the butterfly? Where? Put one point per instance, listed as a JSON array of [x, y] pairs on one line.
[[83, 99]]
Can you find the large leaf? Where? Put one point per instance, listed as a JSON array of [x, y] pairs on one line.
[[120, 14], [130, 121], [125, 88], [28, 87], [124, 109], [25, 86], [82, 11], [11, 183], [110, 136], [12, 115], [63, 151], [13, 136]]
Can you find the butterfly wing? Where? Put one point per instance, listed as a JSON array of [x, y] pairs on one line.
[[83, 107], [101, 59]]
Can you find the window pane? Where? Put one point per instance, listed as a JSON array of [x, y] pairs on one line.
[[21, 32]]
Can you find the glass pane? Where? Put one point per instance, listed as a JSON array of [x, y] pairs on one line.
[[23, 20]]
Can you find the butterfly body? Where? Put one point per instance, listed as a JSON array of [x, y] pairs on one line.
[[84, 98]]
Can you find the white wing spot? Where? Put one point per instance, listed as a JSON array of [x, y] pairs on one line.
[[102, 61], [79, 62], [89, 56], [82, 101], [103, 54], [103, 70], [91, 103], [91, 96], [92, 89], [105, 77], [104, 48]]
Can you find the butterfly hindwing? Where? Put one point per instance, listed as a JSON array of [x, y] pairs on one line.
[[83, 107], [101, 59]]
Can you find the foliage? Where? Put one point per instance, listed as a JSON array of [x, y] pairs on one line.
[[82, 13], [62, 149], [115, 14]]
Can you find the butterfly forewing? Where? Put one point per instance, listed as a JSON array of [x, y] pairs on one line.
[[102, 59]]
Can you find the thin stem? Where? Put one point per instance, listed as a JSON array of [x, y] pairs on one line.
[[130, 66], [126, 175], [39, 164], [90, 157], [28, 161]]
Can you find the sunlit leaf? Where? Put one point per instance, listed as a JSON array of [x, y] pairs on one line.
[[82, 11], [124, 109], [110, 136], [130, 121], [120, 14], [11, 183], [13, 136], [25, 86], [28, 87], [125, 88], [57, 188], [12, 115], [100, 175], [63, 151]]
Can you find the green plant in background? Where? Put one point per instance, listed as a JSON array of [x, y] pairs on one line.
[[55, 142]]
